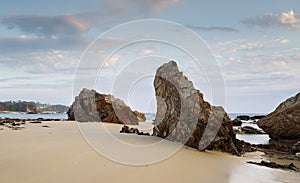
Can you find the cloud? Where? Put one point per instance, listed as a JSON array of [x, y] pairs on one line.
[[115, 12], [52, 61], [285, 19], [47, 25], [15, 78], [282, 41], [148, 50], [24, 43], [213, 28], [154, 6], [233, 47], [111, 62], [258, 67]]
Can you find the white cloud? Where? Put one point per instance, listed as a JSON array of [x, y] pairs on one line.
[[289, 18], [254, 67], [282, 41], [148, 50], [112, 60], [52, 61]]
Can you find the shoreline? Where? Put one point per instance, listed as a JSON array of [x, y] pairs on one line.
[[59, 152]]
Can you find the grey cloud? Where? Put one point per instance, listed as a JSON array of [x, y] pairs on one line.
[[47, 25], [285, 19], [17, 78], [17, 45], [116, 11], [213, 28]]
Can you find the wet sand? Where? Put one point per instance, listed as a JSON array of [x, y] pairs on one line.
[[66, 152]]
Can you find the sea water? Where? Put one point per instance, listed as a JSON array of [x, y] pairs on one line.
[[60, 116]]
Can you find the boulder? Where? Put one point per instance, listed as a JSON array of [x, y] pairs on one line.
[[284, 122], [184, 116], [92, 106], [141, 116], [236, 122], [243, 117]]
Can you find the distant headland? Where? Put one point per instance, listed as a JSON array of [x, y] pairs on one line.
[[31, 107]]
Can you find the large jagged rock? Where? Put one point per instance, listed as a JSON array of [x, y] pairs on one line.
[[284, 122], [183, 116], [93, 106]]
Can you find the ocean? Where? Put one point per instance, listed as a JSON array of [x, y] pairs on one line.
[[60, 116], [253, 139]]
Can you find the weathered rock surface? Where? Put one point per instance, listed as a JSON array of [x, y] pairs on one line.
[[257, 117], [183, 116], [284, 122], [94, 107]]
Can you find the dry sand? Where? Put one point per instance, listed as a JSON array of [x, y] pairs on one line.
[[60, 153]]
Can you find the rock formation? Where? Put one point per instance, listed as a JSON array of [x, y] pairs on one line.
[[183, 116], [248, 130], [291, 166], [92, 106], [126, 129], [284, 122], [141, 116]]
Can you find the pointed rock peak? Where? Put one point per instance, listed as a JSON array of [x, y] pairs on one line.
[[183, 116]]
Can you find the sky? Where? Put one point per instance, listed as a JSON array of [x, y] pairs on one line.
[[256, 45]]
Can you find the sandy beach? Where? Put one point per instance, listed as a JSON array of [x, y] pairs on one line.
[[60, 153]]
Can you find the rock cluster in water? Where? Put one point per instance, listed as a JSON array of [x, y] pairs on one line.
[[92, 106], [184, 116]]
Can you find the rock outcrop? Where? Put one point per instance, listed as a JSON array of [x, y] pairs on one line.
[[284, 122], [92, 106], [183, 116]]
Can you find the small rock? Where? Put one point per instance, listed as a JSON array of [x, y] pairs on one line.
[[236, 122], [141, 116], [275, 165], [36, 122], [126, 129], [15, 124], [249, 130], [244, 117]]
